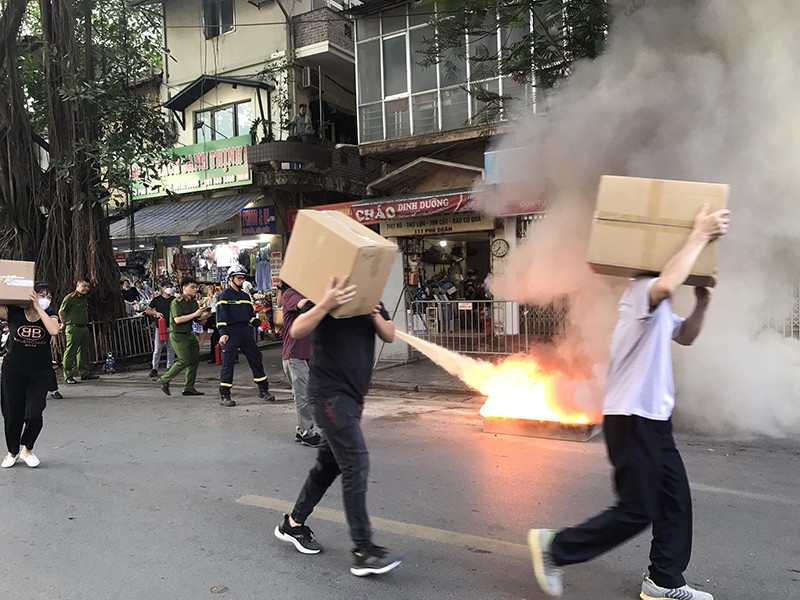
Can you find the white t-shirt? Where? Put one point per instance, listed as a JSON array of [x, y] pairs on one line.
[[640, 378]]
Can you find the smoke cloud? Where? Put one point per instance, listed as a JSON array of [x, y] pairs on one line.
[[699, 90]]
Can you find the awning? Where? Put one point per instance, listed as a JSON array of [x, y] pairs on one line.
[[182, 218], [418, 205]]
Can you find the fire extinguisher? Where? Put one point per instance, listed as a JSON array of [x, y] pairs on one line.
[[162, 329], [217, 355]]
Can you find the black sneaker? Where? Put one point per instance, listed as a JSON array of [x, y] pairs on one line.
[[193, 392], [373, 560], [70, 380], [226, 401], [298, 437], [153, 373], [312, 441], [57, 395], [164, 385], [302, 537]]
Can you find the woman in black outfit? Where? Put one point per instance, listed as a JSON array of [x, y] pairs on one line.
[[27, 371]]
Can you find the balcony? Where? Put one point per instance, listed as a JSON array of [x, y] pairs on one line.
[[311, 167], [323, 26]]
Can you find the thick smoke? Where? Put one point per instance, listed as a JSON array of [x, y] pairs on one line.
[[700, 90]]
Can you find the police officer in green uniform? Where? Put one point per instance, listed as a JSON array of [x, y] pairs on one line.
[[182, 312], [74, 317]]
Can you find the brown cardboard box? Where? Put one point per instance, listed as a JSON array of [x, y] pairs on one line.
[[328, 243], [639, 224], [16, 281]]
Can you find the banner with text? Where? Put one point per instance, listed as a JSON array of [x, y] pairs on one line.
[[195, 168], [437, 225], [415, 207]]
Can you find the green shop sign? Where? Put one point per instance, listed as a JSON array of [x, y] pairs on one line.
[[196, 168]]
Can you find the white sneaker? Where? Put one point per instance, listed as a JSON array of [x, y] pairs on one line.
[[30, 460], [651, 591], [9, 461], [548, 573]]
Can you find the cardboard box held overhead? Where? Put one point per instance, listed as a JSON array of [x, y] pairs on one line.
[[16, 281], [639, 224], [329, 243]]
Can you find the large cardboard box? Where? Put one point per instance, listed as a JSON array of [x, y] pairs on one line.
[[328, 243], [639, 224], [16, 281]]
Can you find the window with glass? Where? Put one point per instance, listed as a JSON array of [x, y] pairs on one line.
[[217, 17], [223, 122], [400, 96]]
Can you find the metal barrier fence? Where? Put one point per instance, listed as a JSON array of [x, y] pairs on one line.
[[485, 326], [128, 337]]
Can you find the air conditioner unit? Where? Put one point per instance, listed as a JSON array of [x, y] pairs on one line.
[[306, 75]]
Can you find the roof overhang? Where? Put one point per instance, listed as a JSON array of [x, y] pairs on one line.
[[201, 86], [370, 7], [417, 170]]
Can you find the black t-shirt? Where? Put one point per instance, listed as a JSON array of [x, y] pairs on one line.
[[161, 305], [29, 341], [344, 350], [130, 295]]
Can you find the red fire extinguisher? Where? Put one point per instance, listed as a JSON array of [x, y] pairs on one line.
[[217, 355], [162, 329]]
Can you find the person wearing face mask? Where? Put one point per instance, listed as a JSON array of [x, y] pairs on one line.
[[159, 309], [74, 317], [236, 318], [26, 375]]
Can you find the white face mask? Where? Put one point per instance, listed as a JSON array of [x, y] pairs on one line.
[[169, 291], [44, 303]]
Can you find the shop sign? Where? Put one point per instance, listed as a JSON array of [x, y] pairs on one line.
[[437, 225], [346, 208], [275, 266], [121, 259], [260, 219], [195, 168], [419, 207]]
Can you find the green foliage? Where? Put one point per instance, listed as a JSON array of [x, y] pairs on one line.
[[539, 39]]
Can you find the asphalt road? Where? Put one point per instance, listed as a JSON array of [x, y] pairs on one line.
[[144, 496]]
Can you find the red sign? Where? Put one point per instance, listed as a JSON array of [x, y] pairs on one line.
[[390, 210], [122, 259], [342, 207]]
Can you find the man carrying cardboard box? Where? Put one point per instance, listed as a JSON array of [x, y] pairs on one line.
[[649, 475], [341, 369]]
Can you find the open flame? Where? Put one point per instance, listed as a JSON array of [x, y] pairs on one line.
[[519, 388]]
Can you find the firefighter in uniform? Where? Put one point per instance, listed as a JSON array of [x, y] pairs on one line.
[[182, 313], [235, 321], [74, 316]]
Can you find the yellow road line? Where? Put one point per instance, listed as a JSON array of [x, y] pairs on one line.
[[443, 536]]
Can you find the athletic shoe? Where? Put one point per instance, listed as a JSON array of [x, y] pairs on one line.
[[9, 461], [298, 437], [548, 574], [193, 392], [57, 395], [90, 377], [164, 385], [373, 560], [312, 441], [302, 537], [226, 401], [30, 460], [153, 373], [70, 380], [651, 591]]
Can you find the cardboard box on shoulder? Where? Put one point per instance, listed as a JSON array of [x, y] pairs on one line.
[[327, 244], [639, 224], [16, 281]]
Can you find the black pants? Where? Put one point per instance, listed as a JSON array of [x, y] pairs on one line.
[[343, 450], [23, 397], [241, 337], [652, 488]]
